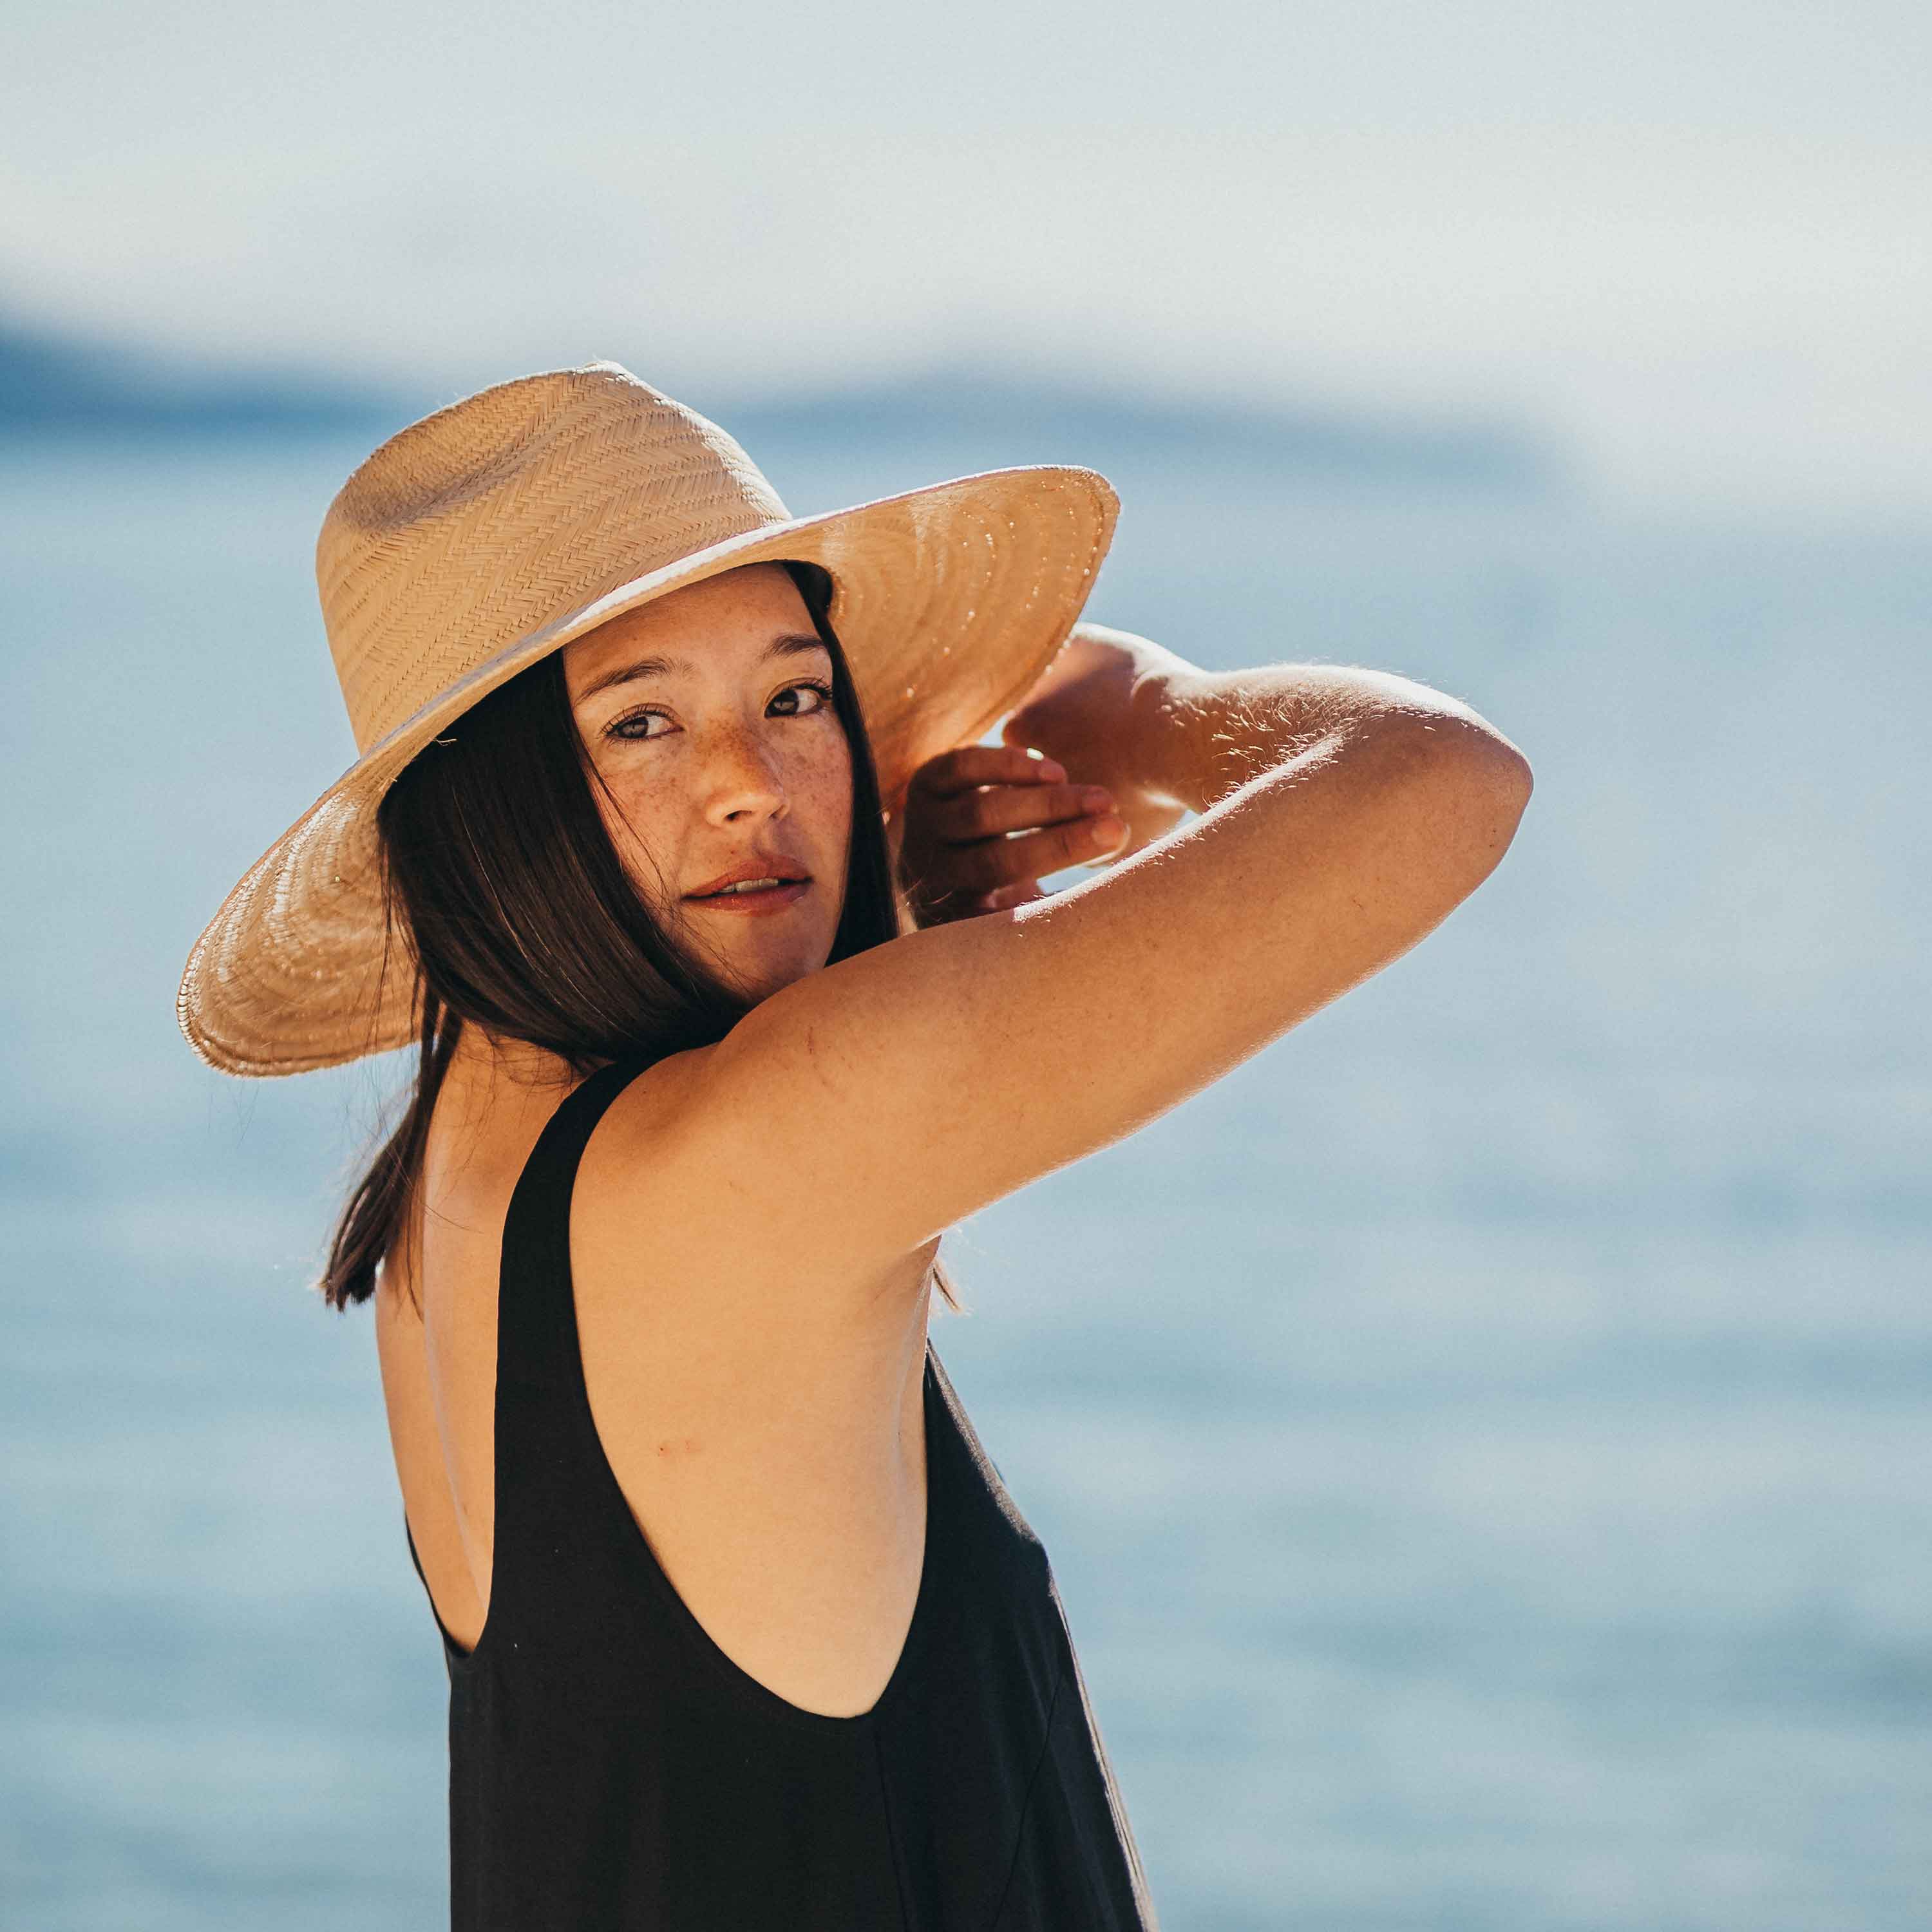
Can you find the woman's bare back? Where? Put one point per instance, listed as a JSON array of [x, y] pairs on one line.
[[778, 1473]]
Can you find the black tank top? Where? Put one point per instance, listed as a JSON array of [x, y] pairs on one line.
[[612, 1770]]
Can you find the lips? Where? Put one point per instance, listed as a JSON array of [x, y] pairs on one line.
[[783, 870]]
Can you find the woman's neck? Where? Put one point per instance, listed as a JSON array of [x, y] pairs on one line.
[[497, 1078]]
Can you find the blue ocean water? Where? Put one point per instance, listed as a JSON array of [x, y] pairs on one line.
[[1483, 1441]]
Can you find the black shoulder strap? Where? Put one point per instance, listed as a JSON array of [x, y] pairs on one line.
[[548, 1458]]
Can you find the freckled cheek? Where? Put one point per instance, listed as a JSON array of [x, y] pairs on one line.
[[822, 796], [827, 785]]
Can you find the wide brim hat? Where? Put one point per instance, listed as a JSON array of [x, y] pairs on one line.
[[494, 531]]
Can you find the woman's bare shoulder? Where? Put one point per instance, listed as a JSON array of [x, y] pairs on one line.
[[659, 1210]]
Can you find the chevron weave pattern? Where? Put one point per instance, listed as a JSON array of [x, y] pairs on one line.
[[479, 539]]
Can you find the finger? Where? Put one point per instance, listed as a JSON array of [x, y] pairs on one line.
[[994, 862], [1003, 809], [965, 765], [956, 773], [1003, 898]]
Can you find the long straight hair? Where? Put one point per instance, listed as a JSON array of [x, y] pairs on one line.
[[497, 862]]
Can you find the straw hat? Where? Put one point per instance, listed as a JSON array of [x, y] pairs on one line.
[[494, 531]]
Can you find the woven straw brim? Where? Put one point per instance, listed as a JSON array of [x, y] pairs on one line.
[[950, 601]]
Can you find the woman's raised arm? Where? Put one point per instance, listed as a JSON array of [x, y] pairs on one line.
[[1345, 813]]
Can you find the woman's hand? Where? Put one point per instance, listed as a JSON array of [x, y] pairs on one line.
[[953, 856], [1097, 710], [983, 824]]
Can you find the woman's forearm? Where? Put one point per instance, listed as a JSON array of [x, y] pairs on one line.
[[1200, 735]]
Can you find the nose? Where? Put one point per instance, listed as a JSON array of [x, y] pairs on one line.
[[742, 777]]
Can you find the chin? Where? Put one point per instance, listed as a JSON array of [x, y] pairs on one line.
[[759, 980]]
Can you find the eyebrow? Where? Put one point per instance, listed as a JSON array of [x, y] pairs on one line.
[[791, 643]]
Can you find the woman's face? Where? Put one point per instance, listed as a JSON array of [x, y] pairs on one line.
[[708, 714]]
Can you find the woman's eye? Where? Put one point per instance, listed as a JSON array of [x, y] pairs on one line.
[[823, 692], [621, 729]]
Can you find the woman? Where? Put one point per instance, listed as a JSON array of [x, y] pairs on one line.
[[743, 1630]]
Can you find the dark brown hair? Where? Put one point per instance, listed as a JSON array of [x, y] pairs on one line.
[[497, 861]]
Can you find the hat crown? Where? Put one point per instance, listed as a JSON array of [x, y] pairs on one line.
[[507, 513]]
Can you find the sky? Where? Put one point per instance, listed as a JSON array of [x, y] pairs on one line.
[[1692, 241]]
